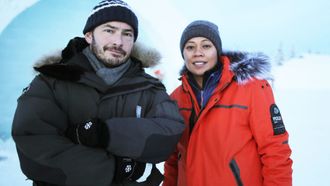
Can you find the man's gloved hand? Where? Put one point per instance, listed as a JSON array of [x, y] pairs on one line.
[[93, 133], [128, 169]]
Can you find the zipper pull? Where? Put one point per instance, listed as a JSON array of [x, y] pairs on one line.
[[138, 111], [202, 99]]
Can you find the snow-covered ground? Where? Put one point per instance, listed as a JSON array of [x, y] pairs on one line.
[[302, 90], [10, 174]]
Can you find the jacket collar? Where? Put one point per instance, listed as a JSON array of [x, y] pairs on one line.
[[72, 65], [148, 57], [241, 67]]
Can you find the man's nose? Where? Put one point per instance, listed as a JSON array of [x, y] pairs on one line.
[[117, 40]]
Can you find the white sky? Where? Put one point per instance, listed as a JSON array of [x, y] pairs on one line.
[[301, 25]]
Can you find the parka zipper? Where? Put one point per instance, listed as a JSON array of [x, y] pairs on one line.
[[196, 117], [202, 99], [193, 117], [235, 170], [202, 108]]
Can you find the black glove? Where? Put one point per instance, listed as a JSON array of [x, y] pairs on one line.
[[128, 169], [93, 133]]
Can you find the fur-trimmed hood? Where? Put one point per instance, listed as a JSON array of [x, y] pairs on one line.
[[148, 57], [246, 66]]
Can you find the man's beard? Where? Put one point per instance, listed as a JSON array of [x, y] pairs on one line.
[[110, 62]]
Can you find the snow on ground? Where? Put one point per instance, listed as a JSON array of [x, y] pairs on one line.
[[308, 72], [302, 91], [10, 174]]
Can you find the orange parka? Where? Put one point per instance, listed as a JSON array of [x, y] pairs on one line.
[[239, 137]]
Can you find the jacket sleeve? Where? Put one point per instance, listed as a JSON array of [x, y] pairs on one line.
[[45, 153], [171, 170], [269, 132], [151, 138]]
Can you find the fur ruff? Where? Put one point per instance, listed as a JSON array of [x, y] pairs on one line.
[[149, 57], [247, 66]]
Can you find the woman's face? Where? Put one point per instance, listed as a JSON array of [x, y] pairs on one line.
[[200, 55]]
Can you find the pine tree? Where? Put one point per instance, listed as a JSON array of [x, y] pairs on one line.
[[279, 56], [293, 52]]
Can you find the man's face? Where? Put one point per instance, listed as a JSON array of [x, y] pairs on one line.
[[111, 42]]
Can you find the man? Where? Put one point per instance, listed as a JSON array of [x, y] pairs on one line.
[[93, 116]]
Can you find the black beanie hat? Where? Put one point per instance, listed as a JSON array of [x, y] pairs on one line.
[[201, 28], [112, 10]]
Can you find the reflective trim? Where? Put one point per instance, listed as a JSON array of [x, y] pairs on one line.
[[146, 173], [231, 106], [235, 170]]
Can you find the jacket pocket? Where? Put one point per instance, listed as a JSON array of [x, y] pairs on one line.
[[236, 172]]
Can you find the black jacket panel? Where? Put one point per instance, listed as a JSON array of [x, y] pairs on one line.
[[143, 123]]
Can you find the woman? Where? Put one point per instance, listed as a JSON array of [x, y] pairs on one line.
[[235, 134]]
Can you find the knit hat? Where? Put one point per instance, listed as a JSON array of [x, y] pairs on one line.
[[112, 10], [201, 28]]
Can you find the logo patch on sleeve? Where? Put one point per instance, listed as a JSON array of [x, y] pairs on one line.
[[277, 121]]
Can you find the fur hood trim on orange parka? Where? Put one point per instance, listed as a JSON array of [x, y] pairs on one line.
[[246, 66]]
